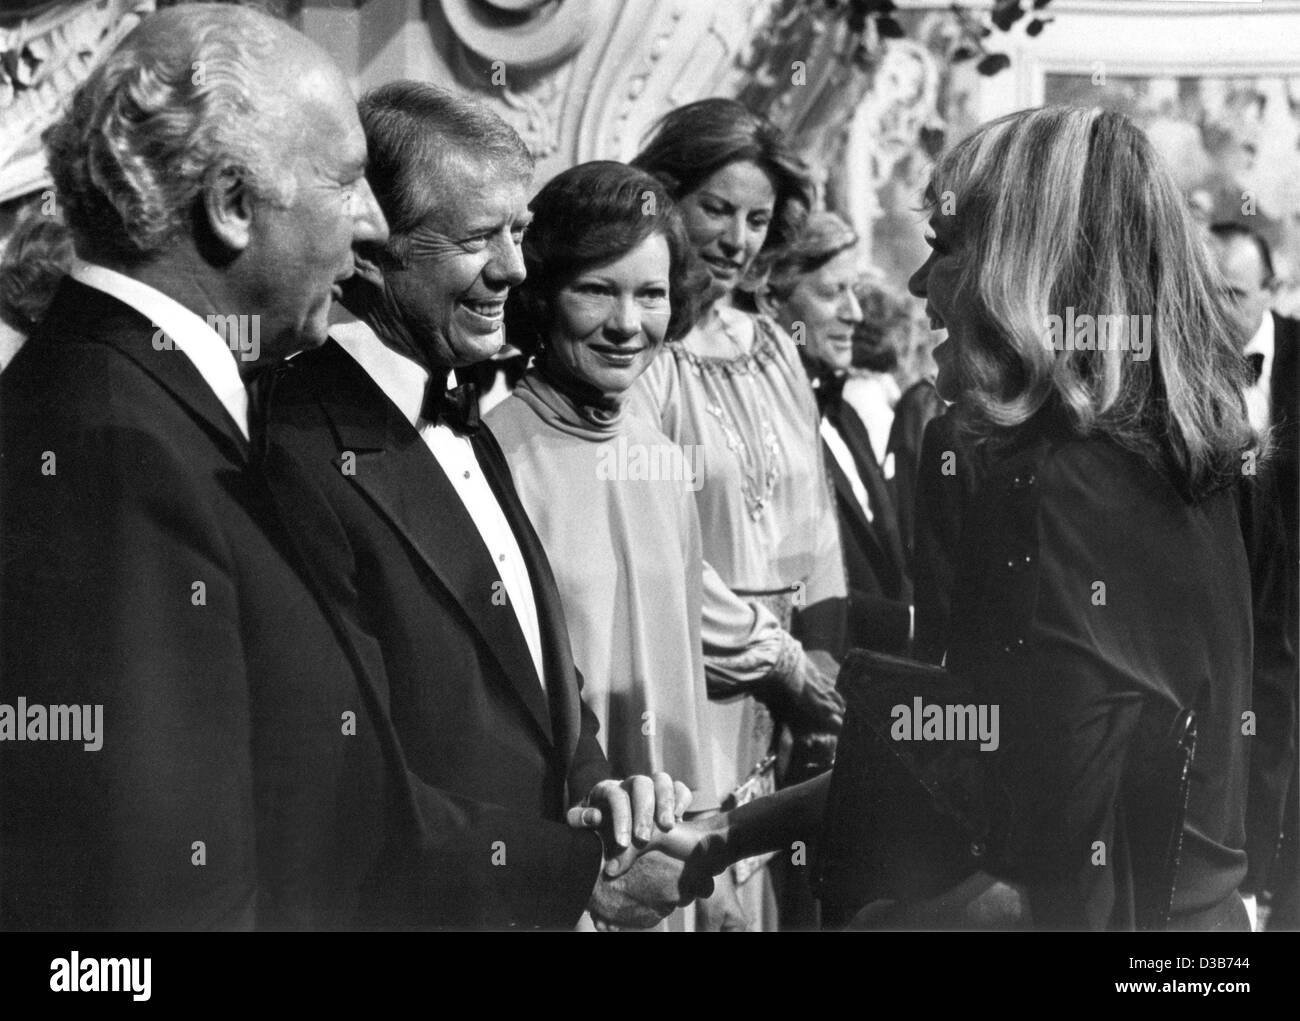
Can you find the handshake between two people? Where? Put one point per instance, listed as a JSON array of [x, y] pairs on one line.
[[653, 860], [656, 859]]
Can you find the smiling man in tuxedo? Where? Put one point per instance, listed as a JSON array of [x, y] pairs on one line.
[[438, 555]]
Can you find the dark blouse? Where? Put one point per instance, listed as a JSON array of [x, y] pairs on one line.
[[1087, 589]]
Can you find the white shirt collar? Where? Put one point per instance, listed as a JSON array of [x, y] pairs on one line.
[[401, 377], [198, 341]]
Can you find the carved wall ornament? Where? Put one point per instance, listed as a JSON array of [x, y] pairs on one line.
[[44, 56], [525, 34]]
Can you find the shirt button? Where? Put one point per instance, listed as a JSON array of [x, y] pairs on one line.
[[502, 558], [467, 474]]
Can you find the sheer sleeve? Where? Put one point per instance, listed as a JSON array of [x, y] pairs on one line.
[[744, 644]]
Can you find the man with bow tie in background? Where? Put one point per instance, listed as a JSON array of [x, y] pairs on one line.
[[1270, 527], [437, 554]]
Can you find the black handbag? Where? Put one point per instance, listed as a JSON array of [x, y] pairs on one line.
[[908, 815]]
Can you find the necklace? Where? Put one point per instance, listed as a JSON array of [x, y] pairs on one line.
[[760, 465]]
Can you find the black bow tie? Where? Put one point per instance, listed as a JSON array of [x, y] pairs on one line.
[[829, 391], [1256, 363], [457, 407]]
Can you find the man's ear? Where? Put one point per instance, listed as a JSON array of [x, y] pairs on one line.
[[228, 205]]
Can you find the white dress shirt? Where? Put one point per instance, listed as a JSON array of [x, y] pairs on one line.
[[844, 458], [1259, 395], [403, 379], [873, 396], [189, 334]]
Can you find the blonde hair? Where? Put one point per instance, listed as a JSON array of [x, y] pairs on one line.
[[1065, 212]]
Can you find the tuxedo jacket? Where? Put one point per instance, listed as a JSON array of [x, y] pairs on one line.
[[1284, 398], [407, 559], [880, 588], [249, 774]]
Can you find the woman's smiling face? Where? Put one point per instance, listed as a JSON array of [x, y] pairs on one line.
[[610, 320], [728, 217]]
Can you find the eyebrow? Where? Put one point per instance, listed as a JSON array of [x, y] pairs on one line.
[[593, 276], [494, 225], [705, 193]]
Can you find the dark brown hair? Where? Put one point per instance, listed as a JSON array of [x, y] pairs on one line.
[[588, 216], [695, 141]]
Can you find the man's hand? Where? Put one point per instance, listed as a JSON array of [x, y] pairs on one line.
[[646, 893], [629, 813]]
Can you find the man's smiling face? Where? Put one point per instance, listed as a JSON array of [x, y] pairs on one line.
[[461, 262]]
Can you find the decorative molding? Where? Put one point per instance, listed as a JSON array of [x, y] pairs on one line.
[[523, 34], [885, 147], [43, 58]]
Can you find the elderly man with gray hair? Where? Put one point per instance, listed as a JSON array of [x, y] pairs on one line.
[[176, 708]]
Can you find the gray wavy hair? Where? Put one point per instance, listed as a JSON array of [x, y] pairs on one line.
[[183, 100], [824, 236]]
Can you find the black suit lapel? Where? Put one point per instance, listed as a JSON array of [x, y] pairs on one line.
[[84, 312], [884, 544], [844, 490], [313, 541], [398, 473]]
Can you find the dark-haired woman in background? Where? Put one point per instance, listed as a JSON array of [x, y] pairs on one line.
[[734, 388], [608, 265], [1101, 583]]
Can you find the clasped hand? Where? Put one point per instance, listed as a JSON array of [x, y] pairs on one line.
[[640, 884]]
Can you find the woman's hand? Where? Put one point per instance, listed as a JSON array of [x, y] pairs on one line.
[[721, 912], [808, 700]]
